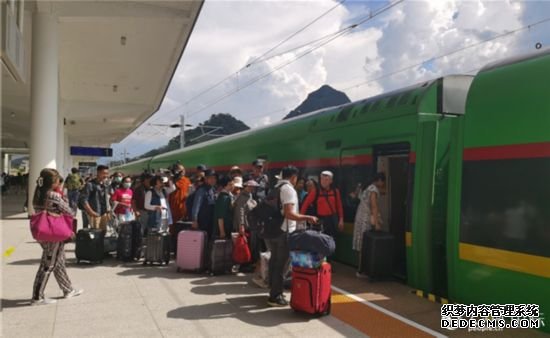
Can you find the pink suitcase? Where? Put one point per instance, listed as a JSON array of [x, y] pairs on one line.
[[190, 254]]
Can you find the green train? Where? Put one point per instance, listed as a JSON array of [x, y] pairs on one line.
[[468, 166]]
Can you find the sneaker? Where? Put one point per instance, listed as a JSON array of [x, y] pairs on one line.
[[260, 282], [361, 275], [278, 301], [73, 293], [43, 301]]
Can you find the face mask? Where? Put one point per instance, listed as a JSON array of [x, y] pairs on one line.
[[118, 179], [127, 185], [106, 181]]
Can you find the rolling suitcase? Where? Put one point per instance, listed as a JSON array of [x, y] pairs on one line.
[[89, 246], [377, 254], [129, 241], [157, 248], [175, 229], [110, 244], [221, 256], [311, 290], [190, 252]]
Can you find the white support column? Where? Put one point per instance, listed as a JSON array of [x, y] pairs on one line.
[[44, 96], [6, 166], [60, 153], [68, 160]]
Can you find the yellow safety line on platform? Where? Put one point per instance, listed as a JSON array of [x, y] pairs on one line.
[[430, 296], [374, 320], [8, 252]]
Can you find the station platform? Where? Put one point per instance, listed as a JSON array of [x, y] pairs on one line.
[[122, 300]]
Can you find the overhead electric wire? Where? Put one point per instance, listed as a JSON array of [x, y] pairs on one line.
[[257, 59], [508, 33], [341, 32], [330, 38]]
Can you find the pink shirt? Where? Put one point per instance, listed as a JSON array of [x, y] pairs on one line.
[[122, 195]]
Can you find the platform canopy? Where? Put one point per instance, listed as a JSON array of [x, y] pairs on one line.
[[115, 62]]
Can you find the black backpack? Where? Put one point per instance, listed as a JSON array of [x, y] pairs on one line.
[[267, 215]]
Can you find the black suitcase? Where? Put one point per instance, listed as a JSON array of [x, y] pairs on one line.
[[110, 244], [129, 241], [221, 256], [89, 245], [157, 247], [175, 230], [377, 254]]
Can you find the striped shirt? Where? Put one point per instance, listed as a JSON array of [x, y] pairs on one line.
[[55, 203]]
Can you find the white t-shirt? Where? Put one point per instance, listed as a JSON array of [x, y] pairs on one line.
[[288, 196]]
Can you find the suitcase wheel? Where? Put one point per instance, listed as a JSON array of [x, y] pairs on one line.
[[166, 262], [327, 311], [144, 262]]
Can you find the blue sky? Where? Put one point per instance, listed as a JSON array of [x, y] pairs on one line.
[[229, 34]]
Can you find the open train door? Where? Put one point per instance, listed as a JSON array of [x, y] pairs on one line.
[[355, 169], [393, 161]]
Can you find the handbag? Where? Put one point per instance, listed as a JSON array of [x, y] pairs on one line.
[[50, 227], [241, 251]]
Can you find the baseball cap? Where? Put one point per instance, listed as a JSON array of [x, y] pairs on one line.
[[258, 162], [209, 172], [327, 173], [201, 167], [238, 182], [251, 183]]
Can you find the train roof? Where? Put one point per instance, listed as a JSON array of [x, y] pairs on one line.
[[392, 98], [515, 59]]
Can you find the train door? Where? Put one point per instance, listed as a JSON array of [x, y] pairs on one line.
[[393, 160], [355, 170]]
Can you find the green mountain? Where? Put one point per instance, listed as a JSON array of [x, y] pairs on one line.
[[324, 97], [203, 132]]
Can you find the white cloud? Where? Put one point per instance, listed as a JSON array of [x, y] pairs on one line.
[[229, 35]]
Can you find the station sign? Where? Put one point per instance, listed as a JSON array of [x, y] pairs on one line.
[[87, 164], [92, 151]]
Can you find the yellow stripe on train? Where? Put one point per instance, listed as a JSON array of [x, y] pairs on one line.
[[515, 261]]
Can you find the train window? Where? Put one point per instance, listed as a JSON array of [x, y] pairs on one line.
[[392, 102], [333, 144], [504, 215], [344, 114], [404, 98], [376, 105], [413, 102], [366, 108]]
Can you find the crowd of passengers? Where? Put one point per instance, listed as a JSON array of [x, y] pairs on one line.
[[215, 203]]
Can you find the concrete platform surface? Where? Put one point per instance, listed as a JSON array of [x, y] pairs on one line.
[[132, 300]]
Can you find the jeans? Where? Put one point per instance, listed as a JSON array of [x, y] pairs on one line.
[[278, 263], [73, 198]]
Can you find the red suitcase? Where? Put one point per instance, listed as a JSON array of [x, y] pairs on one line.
[[311, 289]]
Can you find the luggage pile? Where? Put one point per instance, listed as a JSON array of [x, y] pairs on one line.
[[311, 274]]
